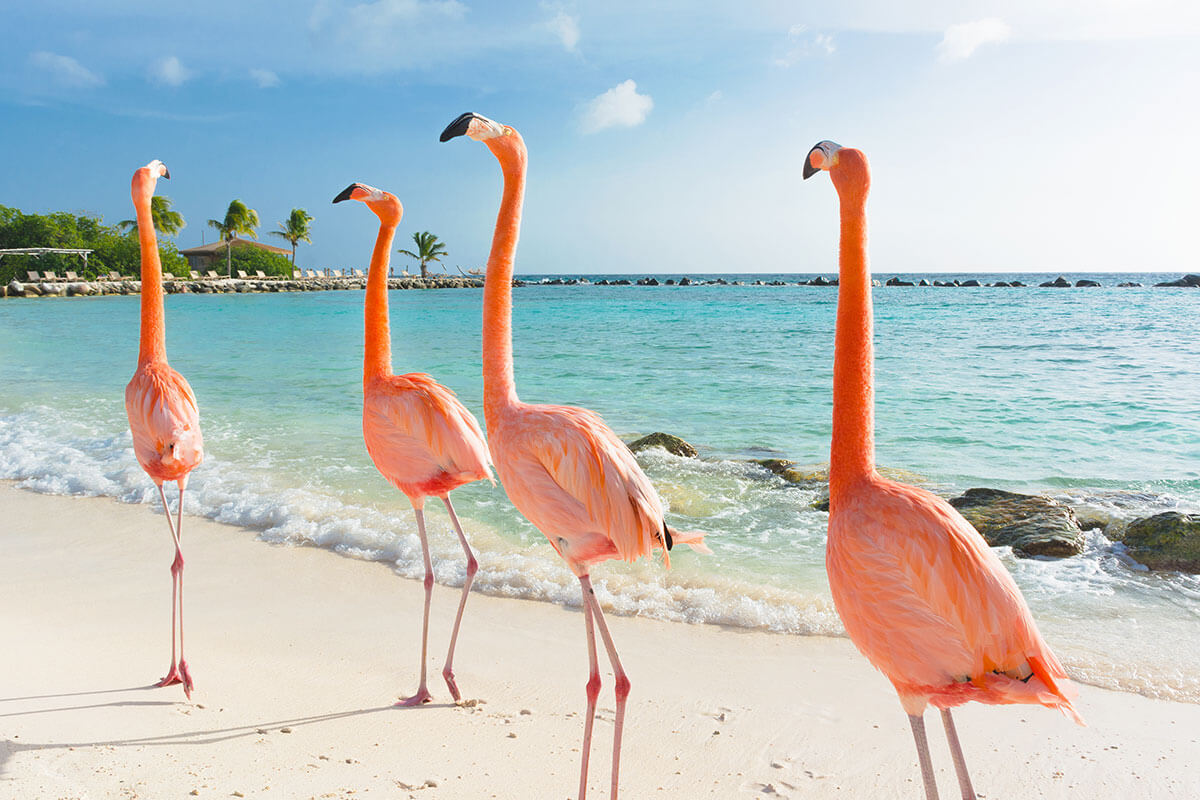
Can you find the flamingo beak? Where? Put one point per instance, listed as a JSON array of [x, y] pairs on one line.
[[348, 193], [826, 152], [458, 127], [166, 172]]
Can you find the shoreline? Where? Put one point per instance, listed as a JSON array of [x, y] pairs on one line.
[[129, 285], [300, 639]]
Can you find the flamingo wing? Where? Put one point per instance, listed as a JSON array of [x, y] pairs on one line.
[[580, 485], [165, 422], [417, 430]]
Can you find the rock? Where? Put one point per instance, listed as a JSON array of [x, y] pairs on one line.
[[647, 282], [51, 289], [1058, 283], [819, 281], [15, 288], [776, 465], [971, 283], [922, 282], [671, 282], [1187, 280], [1128, 284], [685, 281], [898, 282], [1015, 283], [1086, 284], [1000, 285], [1166, 541], [672, 444], [1029, 524]]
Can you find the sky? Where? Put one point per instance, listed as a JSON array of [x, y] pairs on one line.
[[1030, 135]]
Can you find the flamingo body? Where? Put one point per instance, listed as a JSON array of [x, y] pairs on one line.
[[164, 421], [420, 437], [930, 605], [570, 475]]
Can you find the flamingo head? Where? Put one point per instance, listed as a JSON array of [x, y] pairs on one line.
[[846, 166], [499, 138], [146, 178], [385, 204]]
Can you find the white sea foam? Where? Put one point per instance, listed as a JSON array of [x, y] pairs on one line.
[[765, 574]]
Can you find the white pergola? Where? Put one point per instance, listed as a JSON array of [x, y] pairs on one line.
[[41, 251]]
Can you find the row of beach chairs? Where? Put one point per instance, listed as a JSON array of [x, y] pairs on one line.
[[211, 275]]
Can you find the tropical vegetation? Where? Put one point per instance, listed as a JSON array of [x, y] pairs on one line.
[[428, 249], [297, 228], [114, 250], [166, 221], [239, 219]]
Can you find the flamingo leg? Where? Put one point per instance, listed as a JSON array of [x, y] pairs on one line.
[[423, 695], [960, 764], [173, 675], [918, 729], [472, 568], [593, 689], [178, 565], [622, 682]]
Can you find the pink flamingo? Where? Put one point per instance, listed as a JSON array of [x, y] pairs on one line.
[[421, 438], [921, 594], [562, 467], [163, 416]]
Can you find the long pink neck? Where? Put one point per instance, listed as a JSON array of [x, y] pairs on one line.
[[153, 338], [852, 454], [377, 350], [499, 385]]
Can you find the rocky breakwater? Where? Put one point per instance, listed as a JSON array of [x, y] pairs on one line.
[[1168, 541], [228, 286], [1030, 524]]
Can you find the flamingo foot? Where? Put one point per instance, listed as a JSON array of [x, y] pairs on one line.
[[420, 698], [172, 677], [448, 674], [188, 685]]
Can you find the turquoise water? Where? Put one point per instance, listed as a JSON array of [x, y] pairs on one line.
[[1088, 395]]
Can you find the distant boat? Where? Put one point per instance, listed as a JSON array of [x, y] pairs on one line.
[[475, 272]]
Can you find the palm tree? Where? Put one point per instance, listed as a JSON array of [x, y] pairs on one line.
[[428, 249], [296, 229], [166, 221], [238, 219]]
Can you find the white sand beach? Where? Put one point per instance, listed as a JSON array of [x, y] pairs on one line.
[[298, 654]]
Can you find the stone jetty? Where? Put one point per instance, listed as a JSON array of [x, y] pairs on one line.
[[227, 286]]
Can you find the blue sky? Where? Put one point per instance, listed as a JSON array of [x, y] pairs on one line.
[[1056, 136]]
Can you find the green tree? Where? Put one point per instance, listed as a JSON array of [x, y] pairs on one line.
[[296, 229], [428, 249], [166, 221], [238, 219]]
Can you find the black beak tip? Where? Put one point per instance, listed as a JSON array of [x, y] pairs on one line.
[[345, 193], [457, 128], [809, 169], [166, 172]]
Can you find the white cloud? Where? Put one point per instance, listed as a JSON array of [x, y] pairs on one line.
[[265, 78], [960, 41], [800, 44], [169, 71], [66, 70], [619, 107], [564, 26], [384, 34]]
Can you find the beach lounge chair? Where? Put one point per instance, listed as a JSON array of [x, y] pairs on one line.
[[297, 274], [49, 276], [211, 275], [258, 273], [358, 273], [114, 276], [308, 273], [242, 275], [33, 276], [195, 275], [72, 277]]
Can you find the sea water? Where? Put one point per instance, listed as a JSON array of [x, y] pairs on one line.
[[1088, 395]]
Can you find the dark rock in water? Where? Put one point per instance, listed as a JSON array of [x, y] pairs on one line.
[[1086, 284], [1128, 284], [670, 281], [647, 281], [1186, 280], [672, 444], [942, 283], [685, 281], [971, 282], [1029, 524], [1058, 283], [820, 504], [819, 281], [622, 282], [922, 282], [898, 282], [1166, 541], [1000, 284], [1015, 283]]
